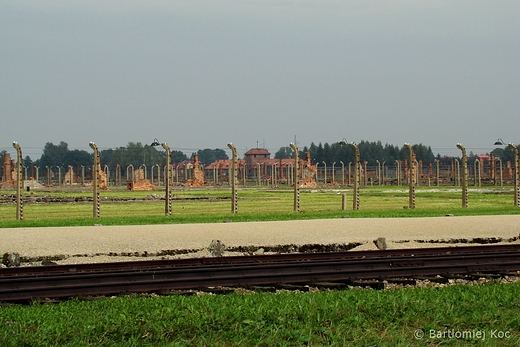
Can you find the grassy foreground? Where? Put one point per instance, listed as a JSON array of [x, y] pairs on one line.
[[214, 205], [484, 315]]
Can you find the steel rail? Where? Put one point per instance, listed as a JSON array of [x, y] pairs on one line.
[[147, 279], [290, 257]]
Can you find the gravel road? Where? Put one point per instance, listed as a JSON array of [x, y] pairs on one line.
[[99, 243]]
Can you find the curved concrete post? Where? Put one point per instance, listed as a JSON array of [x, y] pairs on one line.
[[167, 181], [464, 175], [95, 181], [296, 204], [234, 193], [19, 181], [411, 190]]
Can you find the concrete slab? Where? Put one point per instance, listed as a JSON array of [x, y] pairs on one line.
[[70, 241]]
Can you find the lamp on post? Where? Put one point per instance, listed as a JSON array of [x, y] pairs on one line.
[[19, 181], [411, 192], [499, 142], [464, 175], [296, 177], [234, 193], [167, 177]]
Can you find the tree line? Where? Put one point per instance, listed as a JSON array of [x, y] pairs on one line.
[[370, 152], [137, 154]]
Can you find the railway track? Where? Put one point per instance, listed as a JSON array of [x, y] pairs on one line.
[[28, 283]]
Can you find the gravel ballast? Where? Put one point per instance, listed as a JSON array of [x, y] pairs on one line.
[[99, 243]]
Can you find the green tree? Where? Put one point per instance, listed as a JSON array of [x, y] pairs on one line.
[[54, 155], [505, 154], [77, 158], [284, 153], [27, 162], [135, 154], [177, 156], [327, 154], [208, 156], [423, 153], [318, 156]]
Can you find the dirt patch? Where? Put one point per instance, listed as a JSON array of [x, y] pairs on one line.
[[308, 248], [62, 259], [477, 240]]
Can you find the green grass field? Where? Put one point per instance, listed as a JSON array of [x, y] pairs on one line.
[[483, 315], [214, 205]]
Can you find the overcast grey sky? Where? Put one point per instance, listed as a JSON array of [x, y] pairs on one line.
[[200, 74]]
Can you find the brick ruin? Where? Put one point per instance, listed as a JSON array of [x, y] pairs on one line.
[[198, 175], [308, 173], [102, 178], [139, 182], [508, 171], [8, 172], [406, 168], [71, 177]]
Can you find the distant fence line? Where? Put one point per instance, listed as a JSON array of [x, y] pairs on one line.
[[267, 174]]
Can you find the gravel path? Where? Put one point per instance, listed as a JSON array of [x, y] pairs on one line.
[[74, 243]]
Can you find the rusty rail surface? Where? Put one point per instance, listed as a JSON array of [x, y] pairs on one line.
[[19, 284]]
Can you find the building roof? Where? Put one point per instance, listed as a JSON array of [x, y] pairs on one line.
[[261, 151]]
